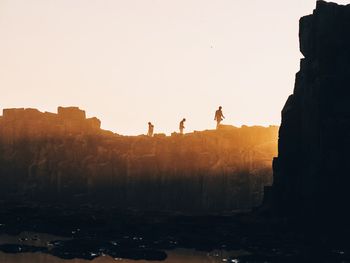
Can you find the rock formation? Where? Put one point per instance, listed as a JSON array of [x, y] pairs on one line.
[[67, 158], [311, 174]]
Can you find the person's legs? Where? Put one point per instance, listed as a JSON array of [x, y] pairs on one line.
[[218, 124]]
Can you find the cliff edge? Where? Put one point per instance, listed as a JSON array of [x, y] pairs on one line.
[[65, 157], [311, 173]]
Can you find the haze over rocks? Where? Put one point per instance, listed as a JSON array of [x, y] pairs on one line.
[[65, 157]]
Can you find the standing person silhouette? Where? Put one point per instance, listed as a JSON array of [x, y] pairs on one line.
[[150, 129], [219, 116], [182, 126]]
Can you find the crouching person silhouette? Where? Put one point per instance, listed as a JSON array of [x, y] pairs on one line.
[[182, 126]]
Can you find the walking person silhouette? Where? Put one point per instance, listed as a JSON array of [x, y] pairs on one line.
[[150, 129], [219, 116]]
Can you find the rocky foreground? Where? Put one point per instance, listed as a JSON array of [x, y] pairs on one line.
[[64, 157], [89, 232]]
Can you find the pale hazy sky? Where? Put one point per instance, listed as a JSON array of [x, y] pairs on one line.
[[128, 62]]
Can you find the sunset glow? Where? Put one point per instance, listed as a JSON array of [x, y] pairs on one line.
[[131, 62]]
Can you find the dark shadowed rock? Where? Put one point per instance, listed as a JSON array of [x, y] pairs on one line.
[[311, 173], [15, 248]]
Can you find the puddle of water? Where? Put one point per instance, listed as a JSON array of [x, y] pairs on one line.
[[43, 240], [174, 256]]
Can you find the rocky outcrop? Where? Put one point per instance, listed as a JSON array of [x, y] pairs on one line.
[[30, 123], [311, 173], [68, 158]]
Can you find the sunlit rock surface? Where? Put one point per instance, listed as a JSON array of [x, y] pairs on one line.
[[47, 157], [311, 173]]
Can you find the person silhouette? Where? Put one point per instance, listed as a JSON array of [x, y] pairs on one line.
[[182, 126], [150, 129], [219, 116]]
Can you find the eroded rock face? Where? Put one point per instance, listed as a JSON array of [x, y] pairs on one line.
[[311, 173], [68, 158]]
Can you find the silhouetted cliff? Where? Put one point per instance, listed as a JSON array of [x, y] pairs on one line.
[[68, 158], [311, 173]]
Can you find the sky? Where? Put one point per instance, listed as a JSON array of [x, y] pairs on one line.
[[129, 62]]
